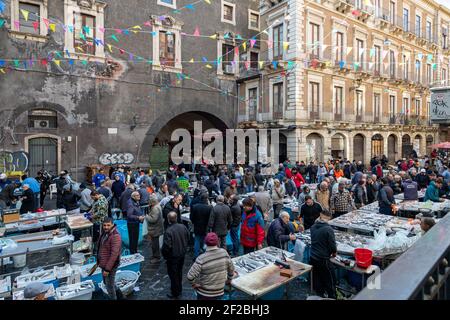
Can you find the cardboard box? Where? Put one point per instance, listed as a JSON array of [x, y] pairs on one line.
[[11, 216]]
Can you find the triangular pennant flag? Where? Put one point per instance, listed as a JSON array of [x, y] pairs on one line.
[[275, 64], [190, 6], [236, 51], [46, 22], [430, 57], [84, 62], [434, 66], [35, 25], [244, 45], [44, 62], [2, 63], [16, 63], [102, 30], [154, 33], [68, 53], [109, 47], [2, 22], [58, 54], [341, 64], [25, 14], [119, 31], [130, 56], [208, 1], [79, 48], [270, 44], [371, 65], [192, 60], [226, 36], [70, 28], [71, 62], [52, 27], [17, 25], [291, 64], [349, 49], [121, 51], [82, 36], [214, 36], [238, 37], [252, 43], [209, 66], [114, 38], [261, 64], [57, 62], [285, 45], [2, 71], [86, 29], [196, 32], [247, 65], [420, 56], [205, 59], [137, 27], [126, 32], [148, 23], [372, 52]]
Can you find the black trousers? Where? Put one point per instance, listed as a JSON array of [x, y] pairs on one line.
[[324, 277], [337, 214], [133, 236], [223, 242], [248, 250], [175, 272]]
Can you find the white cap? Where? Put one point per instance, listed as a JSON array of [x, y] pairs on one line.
[[3, 176]]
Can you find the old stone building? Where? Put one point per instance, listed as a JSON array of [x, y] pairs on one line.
[[87, 81], [360, 83]]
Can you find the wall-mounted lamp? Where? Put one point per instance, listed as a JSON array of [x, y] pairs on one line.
[[358, 83]]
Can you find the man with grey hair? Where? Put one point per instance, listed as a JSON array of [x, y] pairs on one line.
[[155, 227], [135, 216], [279, 234], [220, 220]]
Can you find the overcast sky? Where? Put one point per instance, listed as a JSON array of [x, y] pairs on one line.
[[444, 2]]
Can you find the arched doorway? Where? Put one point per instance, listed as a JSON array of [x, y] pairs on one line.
[[314, 147], [407, 146], [417, 146], [338, 149], [43, 154], [282, 148], [392, 148], [162, 145], [359, 147], [377, 145], [429, 142]]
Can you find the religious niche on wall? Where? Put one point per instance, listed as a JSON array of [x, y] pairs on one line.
[[86, 3]]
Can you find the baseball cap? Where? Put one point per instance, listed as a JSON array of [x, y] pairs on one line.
[[34, 289], [3, 176], [423, 171]]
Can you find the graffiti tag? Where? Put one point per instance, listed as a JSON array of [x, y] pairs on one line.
[[108, 159], [13, 161]]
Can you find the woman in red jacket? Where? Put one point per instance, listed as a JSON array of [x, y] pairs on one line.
[[252, 227], [298, 180]]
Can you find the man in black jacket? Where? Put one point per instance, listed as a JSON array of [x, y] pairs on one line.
[[312, 172], [199, 216], [220, 221], [422, 179], [172, 206], [174, 248], [279, 233], [236, 214], [323, 247], [309, 212]]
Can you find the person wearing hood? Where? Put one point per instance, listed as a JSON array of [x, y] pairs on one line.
[[70, 200], [422, 179], [410, 189], [323, 248], [357, 177], [432, 193], [279, 233], [7, 198]]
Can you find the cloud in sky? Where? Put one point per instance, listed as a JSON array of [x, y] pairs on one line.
[[444, 2]]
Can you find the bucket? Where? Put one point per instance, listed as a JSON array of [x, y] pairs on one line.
[[77, 259], [363, 257], [20, 261]]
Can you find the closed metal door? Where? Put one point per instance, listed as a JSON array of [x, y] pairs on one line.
[[43, 155]]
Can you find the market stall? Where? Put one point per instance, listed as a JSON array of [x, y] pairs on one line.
[[259, 275], [37, 220], [410, 209]]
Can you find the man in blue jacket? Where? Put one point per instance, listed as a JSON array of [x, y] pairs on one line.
[[98, 178], [432, 193], [135, 216], [279, 233], [35, 187]]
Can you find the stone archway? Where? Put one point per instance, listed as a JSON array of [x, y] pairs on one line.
[[157, 143], [314, 147], [359, 145], [418, 144], [392, 148], [377, 145], [338, 146], [407, 146], [429, 142]]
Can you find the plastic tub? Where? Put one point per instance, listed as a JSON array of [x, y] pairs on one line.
[[124, 274], [123, 230], [77, 259], [20, 261], [83, 294], [363, 257]]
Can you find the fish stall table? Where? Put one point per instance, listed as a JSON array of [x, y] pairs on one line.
[[32, 243], [401, 196], [411, 208], [354, 268], [366, 222], [40, 219], [79, 224], [262, 275]]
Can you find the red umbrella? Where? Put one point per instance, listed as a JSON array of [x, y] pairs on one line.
[[442, 145]]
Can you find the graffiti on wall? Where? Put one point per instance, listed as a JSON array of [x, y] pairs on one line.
[[13, 161], [109, 159]]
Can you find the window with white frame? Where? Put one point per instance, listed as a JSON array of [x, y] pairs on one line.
[[278, 99], [376, 106], [30, 15], [418, 71], [360, 53], [252, 103], [418, 107], [418, 25], [314, 30], [444, 38], [405, 67], [167, 44], [338, 102], [253, 20], [428, 30], [339, 46], [405, 19], [314, 90], [378, 59], [392, 108], [429, 74], [228, 54], [84, 20], [277, 39], [392, 64], [228, 12], [392, 12], [168, 3], [405, 106], [359, 99]]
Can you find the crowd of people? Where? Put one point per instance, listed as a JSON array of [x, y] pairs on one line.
[[237, 200]]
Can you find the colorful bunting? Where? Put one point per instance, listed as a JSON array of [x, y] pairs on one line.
[[25, 14], [2, 22], [52, 27], [196, 32], [17, 25], [35, 25], [2, 6]]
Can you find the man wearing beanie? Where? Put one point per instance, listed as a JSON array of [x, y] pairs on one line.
[[211, 271]]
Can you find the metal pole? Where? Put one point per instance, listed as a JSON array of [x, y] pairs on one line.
[[76, 157]]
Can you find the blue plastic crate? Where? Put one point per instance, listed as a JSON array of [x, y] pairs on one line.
[[123, 230], [276, 294]]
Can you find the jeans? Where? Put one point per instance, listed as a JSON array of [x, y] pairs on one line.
[[223, 242], [321, 178], [37, 197], [110, 284], [199, 243], [324, 277], [133, 236], [249, 189], [202, 297], [386, 211], [235, 240], [175, 272]]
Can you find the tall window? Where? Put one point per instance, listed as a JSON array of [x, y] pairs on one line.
[[445, 38], [228, 14], [33, 24], [378, 10], [254, 58], [392, 64], [405, 67], [378, 59], [418, 71], [405, 107], [360, 52], [339, 47], [227, 58], [444, 76], [253, 21], [338, 102], [315, 39], [428, 30], [418, 25], [278, 100], [252, 103], [278, 42], [392, 12], [359, 105], [167, 48], [405, 19], [418, 104], [392, 107], [315, 99], [429, 75], [84, 33], [376, 107]]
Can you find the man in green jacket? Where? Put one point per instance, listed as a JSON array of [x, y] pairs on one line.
[[432, 193]]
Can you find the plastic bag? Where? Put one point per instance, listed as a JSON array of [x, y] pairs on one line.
[[7, 245], [61, 240], [299, 250], [144, 228]]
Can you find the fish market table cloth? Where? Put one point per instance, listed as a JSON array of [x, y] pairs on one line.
[[267, 279]]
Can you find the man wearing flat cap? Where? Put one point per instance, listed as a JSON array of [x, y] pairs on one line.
[[36, 291], [211, 270]]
